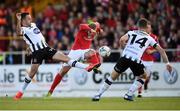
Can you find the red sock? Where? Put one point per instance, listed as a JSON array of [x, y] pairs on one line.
[[98, 57], [95, 58], [56, 81]]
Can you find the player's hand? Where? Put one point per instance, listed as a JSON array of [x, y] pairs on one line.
[[18, 16], [99, 30], [28, 51], [169, 67], [93, 31], [97, 25]]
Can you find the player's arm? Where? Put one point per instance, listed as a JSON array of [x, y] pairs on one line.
[[163, 53], [98, 29], [154, 44], [123, 40], [164, 57], [28, 51], [151, 51], [18, 27], [84, 27]]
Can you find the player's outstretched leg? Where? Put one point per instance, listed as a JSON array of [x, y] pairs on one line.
[[148, 71], [99, 58], [93, 58], [145, 87], [58, 79], [59, 56], [107, 83], [27, 80], [147, 82], [134, 87], [104, 87]]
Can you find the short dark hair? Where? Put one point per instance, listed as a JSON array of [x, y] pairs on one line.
[[143, 22], [23, 15]]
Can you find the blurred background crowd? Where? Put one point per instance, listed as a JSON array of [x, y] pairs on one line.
[[58, 20]]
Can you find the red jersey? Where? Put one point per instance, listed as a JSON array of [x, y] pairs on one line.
[[83, 38], [149, 57]]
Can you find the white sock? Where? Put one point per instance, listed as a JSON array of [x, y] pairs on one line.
[[27, 80], [74, 63], [105, 86], [135, 86]]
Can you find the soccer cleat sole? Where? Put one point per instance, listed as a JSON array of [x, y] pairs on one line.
[[95, 100]]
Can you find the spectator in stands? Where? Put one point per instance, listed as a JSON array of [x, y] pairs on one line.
[[49, 11], [3, 14], [26, 8], [59, 22]]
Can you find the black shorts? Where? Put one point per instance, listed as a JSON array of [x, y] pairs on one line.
[[123, 64], [42, 54]]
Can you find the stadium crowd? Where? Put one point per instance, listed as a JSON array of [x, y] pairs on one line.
[[59, 22]]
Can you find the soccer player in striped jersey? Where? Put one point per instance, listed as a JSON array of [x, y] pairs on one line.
[[137, 42], [40, 50]]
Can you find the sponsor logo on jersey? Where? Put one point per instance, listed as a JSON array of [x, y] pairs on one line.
[[172, 77], [36, 31]]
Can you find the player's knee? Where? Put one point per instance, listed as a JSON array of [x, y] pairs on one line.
[[143, 76], [90, 53], [66, 59], [32, 73], [114, 75], [64, 71], [59, 56], [33, 70]]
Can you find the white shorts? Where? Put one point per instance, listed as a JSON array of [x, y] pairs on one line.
[[77, 55], [148, 66]]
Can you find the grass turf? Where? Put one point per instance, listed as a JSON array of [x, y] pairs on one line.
[[165, 103]]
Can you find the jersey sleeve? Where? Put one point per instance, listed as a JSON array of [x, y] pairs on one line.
[[128, 33], [84, 27], [155, 37], [153, 43]]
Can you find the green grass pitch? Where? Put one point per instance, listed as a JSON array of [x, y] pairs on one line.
[[160, 103]]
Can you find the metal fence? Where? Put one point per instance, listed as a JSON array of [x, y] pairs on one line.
[[20, 57]]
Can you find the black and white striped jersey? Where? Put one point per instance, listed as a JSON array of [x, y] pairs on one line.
[[33, 37], [137, 43]]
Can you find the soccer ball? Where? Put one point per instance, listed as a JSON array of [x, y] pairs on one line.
[[104, 51]]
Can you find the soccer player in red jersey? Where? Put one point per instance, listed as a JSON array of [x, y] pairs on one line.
[[148, 60], [80, 50]]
